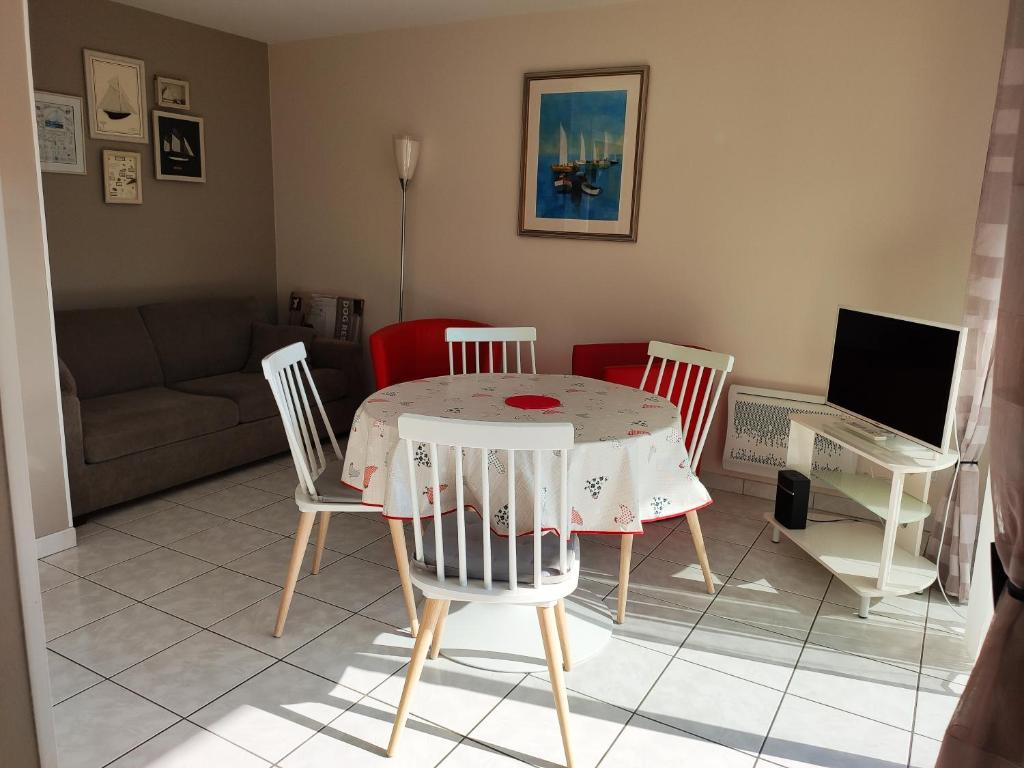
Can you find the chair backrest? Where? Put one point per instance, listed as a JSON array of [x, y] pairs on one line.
[[455, 435], [290, 381], [704, 371], [412, 350], [591, 359], [490, 337]]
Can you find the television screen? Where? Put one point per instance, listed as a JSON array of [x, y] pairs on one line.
[[896, 372]]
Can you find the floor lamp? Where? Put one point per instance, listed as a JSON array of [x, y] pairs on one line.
[[407, 152]]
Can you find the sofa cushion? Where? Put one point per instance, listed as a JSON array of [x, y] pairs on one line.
[[107, 350], [130, 422], [267, 338], [201, 338], [251, 392]]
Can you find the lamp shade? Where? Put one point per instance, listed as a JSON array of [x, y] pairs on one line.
[[407, 152]]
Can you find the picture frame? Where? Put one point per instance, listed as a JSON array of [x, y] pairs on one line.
[[582, 153], [116, 96], [179, 147], [122, 177], [172, 93], [61, 133]]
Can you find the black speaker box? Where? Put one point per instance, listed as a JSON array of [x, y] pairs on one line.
[[791, 498]]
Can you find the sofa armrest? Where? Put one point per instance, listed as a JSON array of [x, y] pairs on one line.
[[71, 408], [68, 385], [333, 353]]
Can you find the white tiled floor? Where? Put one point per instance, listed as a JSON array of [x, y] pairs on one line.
[[159, 623]]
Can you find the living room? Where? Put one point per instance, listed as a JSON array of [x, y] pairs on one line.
[[246, 247]]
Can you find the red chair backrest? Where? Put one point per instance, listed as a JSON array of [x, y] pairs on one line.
[[591, 359], [624, 364], [415, 349]]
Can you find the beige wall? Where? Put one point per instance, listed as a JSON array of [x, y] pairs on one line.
[[800, 155], [30, 279], [185, 240]]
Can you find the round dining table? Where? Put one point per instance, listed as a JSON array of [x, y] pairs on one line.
[[628, 467]]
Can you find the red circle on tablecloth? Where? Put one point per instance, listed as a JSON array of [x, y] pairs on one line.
[[532, 402]]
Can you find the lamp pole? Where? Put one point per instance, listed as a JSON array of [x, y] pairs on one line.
[[407, 152], [401, 268]]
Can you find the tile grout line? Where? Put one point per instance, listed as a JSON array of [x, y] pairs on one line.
[[636, 710], [920, 672], [792, 674]]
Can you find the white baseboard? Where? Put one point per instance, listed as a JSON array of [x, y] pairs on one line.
[[56, 542]]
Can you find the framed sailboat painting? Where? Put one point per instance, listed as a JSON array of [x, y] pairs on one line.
[[582, 153], [116, 96], [179, 147]]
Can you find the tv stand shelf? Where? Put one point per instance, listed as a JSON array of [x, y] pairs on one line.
[[871, 560], [872, 493]]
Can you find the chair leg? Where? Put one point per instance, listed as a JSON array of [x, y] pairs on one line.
[[321, 539], [412, 676], [435, 647], [547, 632], [563, 634], [294, 565], [702, 553], [402, 561], [625, 555]]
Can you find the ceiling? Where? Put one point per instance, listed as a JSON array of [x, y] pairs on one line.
[[276, 21]]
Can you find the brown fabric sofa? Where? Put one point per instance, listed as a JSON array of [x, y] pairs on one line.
[[158, 395]]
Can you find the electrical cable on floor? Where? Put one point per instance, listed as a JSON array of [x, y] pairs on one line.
[[945, 519]]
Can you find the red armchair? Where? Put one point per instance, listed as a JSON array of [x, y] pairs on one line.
[[415, 349], [624, 363], [591, 359]]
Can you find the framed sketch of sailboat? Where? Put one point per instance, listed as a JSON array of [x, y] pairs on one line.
[[179, 147], [116, 95], [582, 152]]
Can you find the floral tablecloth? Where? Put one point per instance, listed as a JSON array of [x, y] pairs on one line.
[[628, 465]]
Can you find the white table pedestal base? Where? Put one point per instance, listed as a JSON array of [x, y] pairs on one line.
[[506, 638]]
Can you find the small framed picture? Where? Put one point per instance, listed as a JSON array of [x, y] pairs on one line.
[[172, 93], [59, 126], [179, 149], [122, 180], [116, 95]]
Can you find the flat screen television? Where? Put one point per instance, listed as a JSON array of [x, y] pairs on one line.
[[896, 372]]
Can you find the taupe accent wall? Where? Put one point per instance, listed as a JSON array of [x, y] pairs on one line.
[[186, 240], [799, 155]]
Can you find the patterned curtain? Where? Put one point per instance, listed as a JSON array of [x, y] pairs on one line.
[[974, 403], [986, 728]]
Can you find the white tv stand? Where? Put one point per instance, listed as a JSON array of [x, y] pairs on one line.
[[872, 561]]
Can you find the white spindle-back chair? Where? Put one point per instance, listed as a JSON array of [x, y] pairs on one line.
[[444, 575], [293, 388], [490, 338], [703, 376]]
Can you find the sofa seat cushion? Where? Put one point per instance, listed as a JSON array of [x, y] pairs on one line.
[[251, 392], [130, 422]]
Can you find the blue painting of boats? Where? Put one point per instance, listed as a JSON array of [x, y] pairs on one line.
[[579, 164]]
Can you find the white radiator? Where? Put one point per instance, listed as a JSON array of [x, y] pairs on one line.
[[757, 433]]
